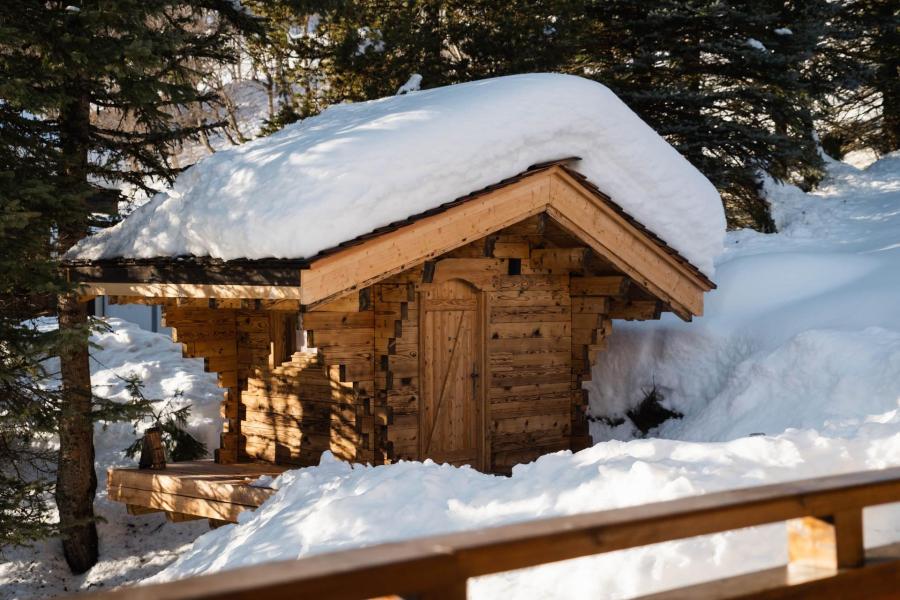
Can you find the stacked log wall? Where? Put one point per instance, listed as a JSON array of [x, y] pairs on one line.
[[547, 310], [397, 368], [529, 348], [235, 343], [343, 336]]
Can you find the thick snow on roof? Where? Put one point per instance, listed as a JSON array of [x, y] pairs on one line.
[[355, 167]]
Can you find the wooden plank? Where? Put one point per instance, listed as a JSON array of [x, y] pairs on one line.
[[635, 310], [559, 260], [590, 305], [558, 422], [878, 578], [395, 251], [511, 250], [527, 393], [609, 285], [192, 290], [343, 304], [203, 507], [529, 314], [300, 444], [509, 283], [515, 297], [501, 442], [340, 337], [832, 543], [322, 320], [224, 488], [500, 331], [531, 376]]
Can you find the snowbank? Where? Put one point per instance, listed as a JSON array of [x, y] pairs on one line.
[[356, 167], [803, 331], [127, 350], [801, 343], [131, 548]]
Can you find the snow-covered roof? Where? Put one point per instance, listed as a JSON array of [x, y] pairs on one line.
[[356, 167]]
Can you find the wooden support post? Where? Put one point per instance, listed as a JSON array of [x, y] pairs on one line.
[[834, 542]]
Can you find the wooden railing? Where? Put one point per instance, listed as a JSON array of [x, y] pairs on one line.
[[825, 546]]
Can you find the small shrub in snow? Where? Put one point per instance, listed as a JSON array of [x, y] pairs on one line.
[[170, 416], [651, 413]]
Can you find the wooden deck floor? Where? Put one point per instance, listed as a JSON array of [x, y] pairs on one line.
[[199, 489]]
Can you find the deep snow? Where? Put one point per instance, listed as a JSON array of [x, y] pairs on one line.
[[800, 343], [131, 547], [356, 167]]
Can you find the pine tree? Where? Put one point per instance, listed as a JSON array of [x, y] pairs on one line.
[[720, 82], [67, 63], [29, 283], [860, 64], [367, 49], [730, 83]]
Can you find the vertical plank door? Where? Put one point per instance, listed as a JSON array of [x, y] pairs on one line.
[[450, 416]]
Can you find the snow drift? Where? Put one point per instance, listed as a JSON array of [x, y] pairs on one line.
[[130, 549], [800, 344], [355, 167]]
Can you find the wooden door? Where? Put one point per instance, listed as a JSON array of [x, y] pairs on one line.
[[450, 424]]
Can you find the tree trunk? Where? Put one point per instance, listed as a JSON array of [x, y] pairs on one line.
[[76, 481]]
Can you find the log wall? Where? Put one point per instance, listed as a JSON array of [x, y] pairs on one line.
[[236, 344], [540, 341], [546, 306], [323, 398]]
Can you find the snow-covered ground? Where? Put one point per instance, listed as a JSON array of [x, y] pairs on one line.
[[801, 343], [131, 547]]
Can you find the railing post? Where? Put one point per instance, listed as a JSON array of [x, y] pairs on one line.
[[833, 542]]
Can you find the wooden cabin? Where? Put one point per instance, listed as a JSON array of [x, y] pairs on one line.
[[462, 334]]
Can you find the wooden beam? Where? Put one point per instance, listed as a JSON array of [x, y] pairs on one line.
[[878, 579], [611, 236], [635, 310], [445, 561], [562, 260], [191, 290], [834, 542], [610, 285], [382, 256]]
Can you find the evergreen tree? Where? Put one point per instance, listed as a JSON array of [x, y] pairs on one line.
[[860, 67], [66, 63], [720, 80], [369, 48], [29, 283], [730, 83]]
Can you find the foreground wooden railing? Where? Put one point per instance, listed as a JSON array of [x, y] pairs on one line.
[[825, 543]]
